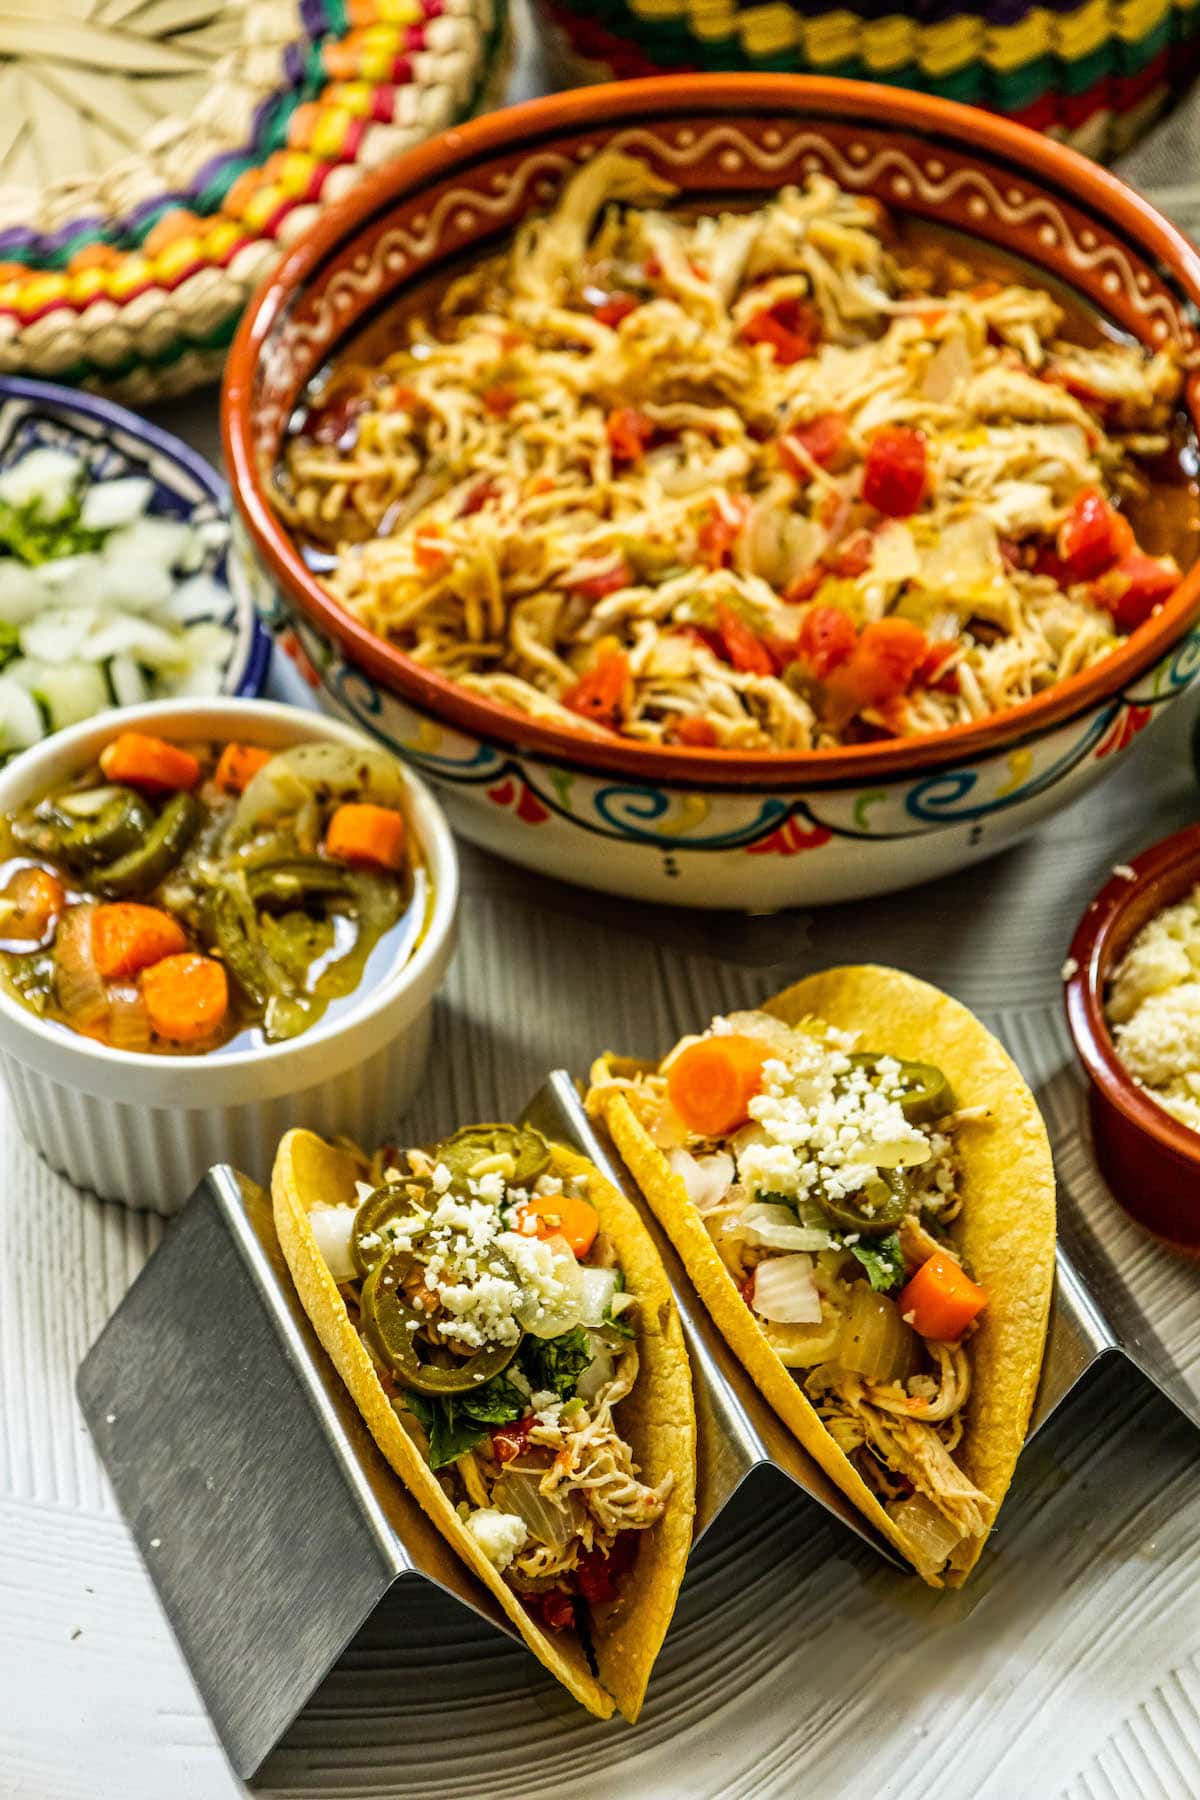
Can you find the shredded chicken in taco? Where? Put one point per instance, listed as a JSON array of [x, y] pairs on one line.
[[826, 1175]]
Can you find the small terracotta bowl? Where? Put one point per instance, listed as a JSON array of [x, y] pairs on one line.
[[1150, 1160]]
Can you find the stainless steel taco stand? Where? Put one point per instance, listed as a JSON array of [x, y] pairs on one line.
[[269, 1523]]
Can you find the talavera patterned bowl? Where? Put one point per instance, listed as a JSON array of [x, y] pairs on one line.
[[693, 826]]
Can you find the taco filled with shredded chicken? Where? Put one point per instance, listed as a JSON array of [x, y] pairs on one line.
[[861, 1187], [503, 1322]]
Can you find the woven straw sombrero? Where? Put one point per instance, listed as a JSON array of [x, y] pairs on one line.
[[1094, 72], [156, 156]]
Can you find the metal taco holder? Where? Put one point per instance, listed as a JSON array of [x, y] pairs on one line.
[[271, 1526]]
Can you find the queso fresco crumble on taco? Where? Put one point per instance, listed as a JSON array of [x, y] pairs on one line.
[[503, 1322], [861, 1187]]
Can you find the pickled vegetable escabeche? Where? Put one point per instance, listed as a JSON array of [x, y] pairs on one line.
[[195, 897]]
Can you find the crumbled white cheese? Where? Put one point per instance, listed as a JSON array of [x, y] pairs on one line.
[[1153, 1008], [827, 1125], [1069, 968], [499, 1534], [441, 1178]]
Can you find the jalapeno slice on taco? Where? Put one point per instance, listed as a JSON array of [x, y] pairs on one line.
[[861, 1187], [503, 1322]]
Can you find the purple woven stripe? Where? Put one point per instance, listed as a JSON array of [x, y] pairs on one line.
[[313, 17], [18, 237], [293, 64]]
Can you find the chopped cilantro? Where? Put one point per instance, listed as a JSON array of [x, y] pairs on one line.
[[38, 540], [456, 1423], [883, 1260], [554, 1365]]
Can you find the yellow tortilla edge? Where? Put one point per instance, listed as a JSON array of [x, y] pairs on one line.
[[308, 1170], [1006, 1231]]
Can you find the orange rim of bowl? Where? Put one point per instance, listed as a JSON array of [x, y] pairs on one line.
[[662, 98], [1157, 871]]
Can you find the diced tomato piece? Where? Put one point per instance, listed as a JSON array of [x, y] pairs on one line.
[[618, 306], [933, 662], [885, 661], [478, 497], [405, 398], [746, 1289], [431, 554], [597, 1575], [608, 581], [896, 471], [743, 647], [598, 695], [329, 422], [853, 558], [1133, 587], [1093, 536], [555, 1609], [510, 1440], [699, 734], [827, 639], [652, 269], [499, 401], [822, 440], [628, 434], [803, 586], [719, 532], [791, 327]]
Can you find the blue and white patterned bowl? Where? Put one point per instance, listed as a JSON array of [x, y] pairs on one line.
[[112, 441]]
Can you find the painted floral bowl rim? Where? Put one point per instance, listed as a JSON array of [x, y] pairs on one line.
[[95, 423], [326, 257]]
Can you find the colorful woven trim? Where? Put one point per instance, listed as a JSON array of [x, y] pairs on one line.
[[134, 281], [1097, 74]]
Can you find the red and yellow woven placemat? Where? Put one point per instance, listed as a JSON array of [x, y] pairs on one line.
[[157, 155]]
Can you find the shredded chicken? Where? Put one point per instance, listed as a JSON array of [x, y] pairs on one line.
[[587, 487]]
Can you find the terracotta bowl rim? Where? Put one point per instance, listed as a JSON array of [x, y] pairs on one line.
[[658, 98], [1083, 991]]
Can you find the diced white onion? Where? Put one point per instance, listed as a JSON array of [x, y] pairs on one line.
[[72, 693], [22, 595], [597, 1288], [706, 1178], [776, 1227], [44, 479], [598, 1374], [551, 1520], [554, 1294], [107, 504], [930, 1536], [200, 597], [332, 1229], [57, 635], [129, 685], [20, 717], [785, 1292]]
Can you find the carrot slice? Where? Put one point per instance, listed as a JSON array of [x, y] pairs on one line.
[[362, 833], [941, 1299], [127, 937], [31, 904], [239, 765], [560, 1215], [136, 759], [712, 1082], [187, 997]]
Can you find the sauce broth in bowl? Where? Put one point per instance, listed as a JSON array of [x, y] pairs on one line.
[[205, 897]]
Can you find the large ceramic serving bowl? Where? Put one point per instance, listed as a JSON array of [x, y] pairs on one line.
[[702, 827]]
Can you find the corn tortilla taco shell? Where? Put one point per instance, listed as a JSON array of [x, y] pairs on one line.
[[657, 1419], [1006, 1231]]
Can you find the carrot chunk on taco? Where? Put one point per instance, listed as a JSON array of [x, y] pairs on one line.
[[503, 1322], [860, 1185]]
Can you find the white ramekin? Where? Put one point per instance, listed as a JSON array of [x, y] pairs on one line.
[[143, 1128]]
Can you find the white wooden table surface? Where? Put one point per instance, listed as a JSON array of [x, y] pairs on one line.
[[797, 1663]]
